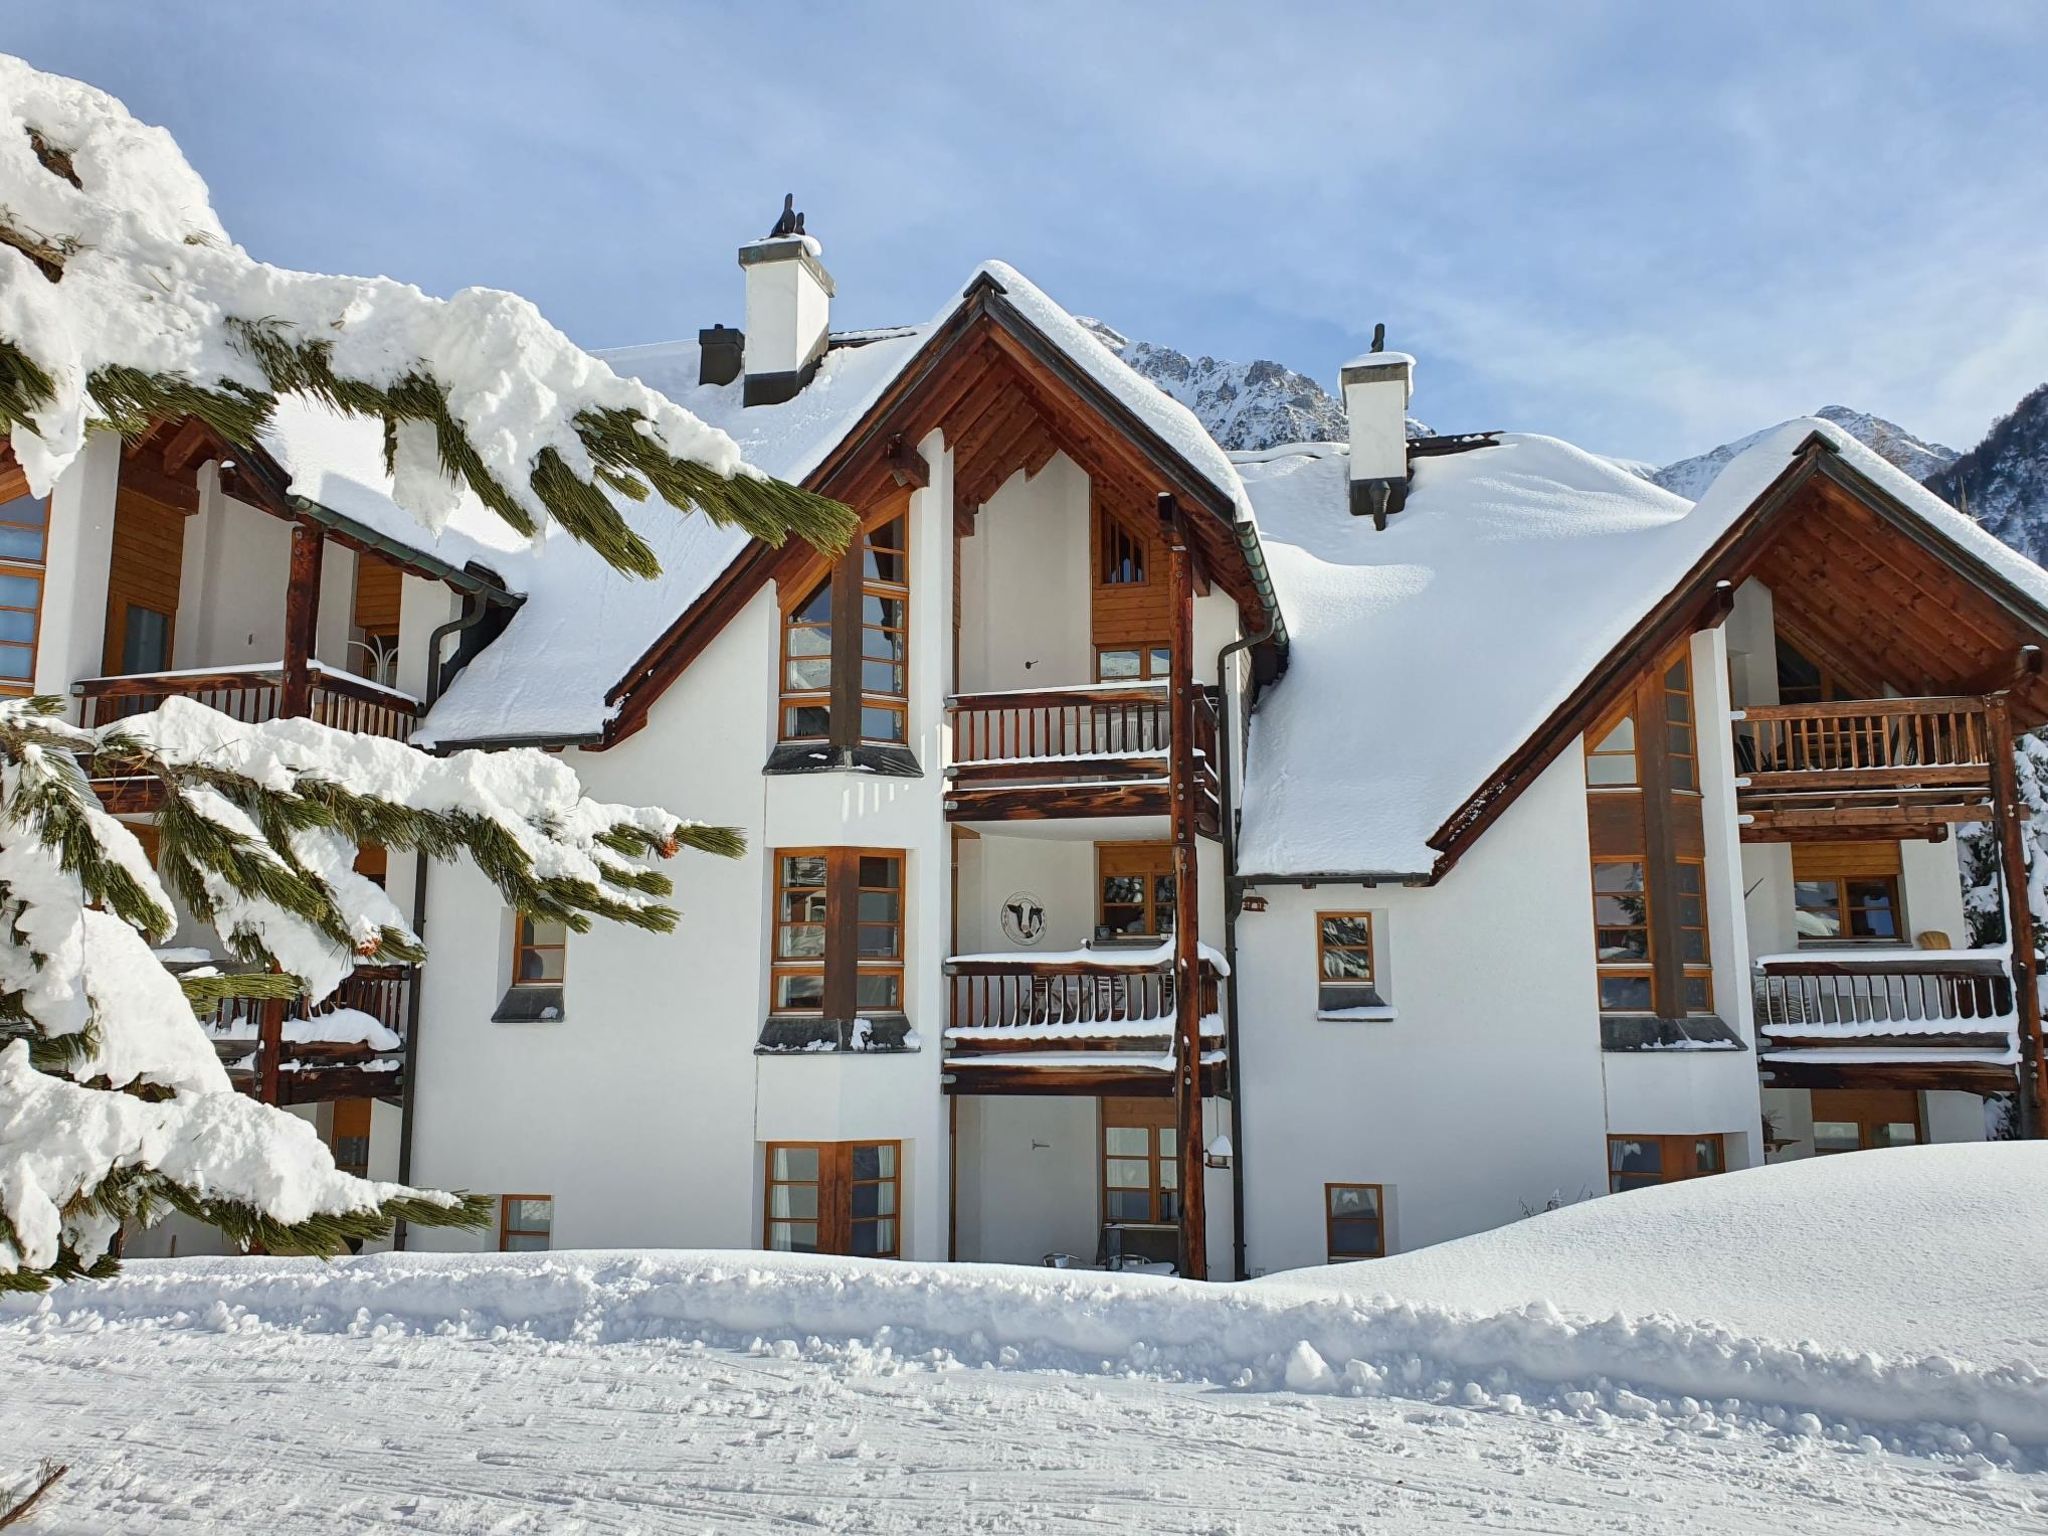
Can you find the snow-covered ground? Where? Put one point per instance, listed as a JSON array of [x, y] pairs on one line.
[[1855, 1344]]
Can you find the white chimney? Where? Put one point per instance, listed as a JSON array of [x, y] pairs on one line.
[[789, 306], [1377, 389]]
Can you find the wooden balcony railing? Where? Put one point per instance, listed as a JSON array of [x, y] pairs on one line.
[[1061, 732], [1096, 995], [316, 1070], [1883, 764], [252, 695], [1099, 749], [1844, 995]]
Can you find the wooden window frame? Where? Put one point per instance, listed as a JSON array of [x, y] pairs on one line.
[[835, 1184], [1331, 1218], [1117, 548], [1669, 1171], [14, 488], [1683, 721], [1152, 861], [1598, 750], [1692, 971], [1645, 967], [1155, 661], [506, 1231], [1156, 1118], [842, 966], [1844, 936], [846, 698], [1865, 1109], [1657, 822], [1330, 989], [521, 949], [351, 1121]]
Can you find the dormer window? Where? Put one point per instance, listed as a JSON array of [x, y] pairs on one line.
[[846, 680]]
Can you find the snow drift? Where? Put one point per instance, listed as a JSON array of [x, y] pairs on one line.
[[1897, 1291]]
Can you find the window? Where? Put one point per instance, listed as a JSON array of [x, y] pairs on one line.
[[1354, 1224], [525, 1223], [1681, 749], [540, 953], [1611, 756], [1347, 974], [838, 932], [1121, 557], [1844, 908], [846, 679], [1135, 883], [1140, 1162], [1859, 1120], [348, 1136], [1802, 680], [1697, 976], [24, 529], [1133, 663], [1635, 1162], [1621, 935], [833, 1197]]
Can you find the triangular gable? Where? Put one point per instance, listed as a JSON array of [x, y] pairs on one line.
[[1998, 610], [1009, 378]]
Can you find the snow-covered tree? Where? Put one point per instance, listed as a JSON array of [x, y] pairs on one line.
[[113, 1104], [123, 303]]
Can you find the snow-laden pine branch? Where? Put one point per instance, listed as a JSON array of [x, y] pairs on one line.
[[113, 1102], [123, 302]]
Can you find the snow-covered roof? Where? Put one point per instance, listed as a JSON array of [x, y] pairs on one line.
[[583, 625], [1424, 655]]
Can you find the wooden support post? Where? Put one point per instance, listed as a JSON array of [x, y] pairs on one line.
[[2012, 859], [301, 619], [1187, 961], [270, 1052]]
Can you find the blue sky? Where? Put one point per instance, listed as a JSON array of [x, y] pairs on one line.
[[1645, 227]]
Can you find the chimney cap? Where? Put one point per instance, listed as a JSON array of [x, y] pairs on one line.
[[1372, 360]]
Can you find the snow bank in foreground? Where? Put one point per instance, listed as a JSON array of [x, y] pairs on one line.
[[1326, 1331]]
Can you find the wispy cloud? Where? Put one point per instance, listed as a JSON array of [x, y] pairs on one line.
[[1645, 227]]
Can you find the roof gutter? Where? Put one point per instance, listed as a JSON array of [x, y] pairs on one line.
[[1367, 878]]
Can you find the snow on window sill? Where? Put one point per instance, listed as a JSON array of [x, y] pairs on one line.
[[1382, 1013], [530, 1005]]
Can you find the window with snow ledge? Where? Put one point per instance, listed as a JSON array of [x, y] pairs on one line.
[[878, 1034], [540, 953], [1350, 969]]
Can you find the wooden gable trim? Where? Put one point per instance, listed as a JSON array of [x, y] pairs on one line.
[[960, 369], [1700, 599]]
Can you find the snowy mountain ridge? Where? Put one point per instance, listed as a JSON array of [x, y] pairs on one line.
[[2003, 481], [1890, 441], [1245, 406]]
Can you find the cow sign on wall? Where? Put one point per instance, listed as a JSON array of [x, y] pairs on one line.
[[1023, 918]]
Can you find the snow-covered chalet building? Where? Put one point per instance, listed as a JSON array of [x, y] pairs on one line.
[[1457, 825]]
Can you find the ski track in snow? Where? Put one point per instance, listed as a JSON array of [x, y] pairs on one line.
[[227, 1423]]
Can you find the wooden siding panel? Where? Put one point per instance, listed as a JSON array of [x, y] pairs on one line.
[[147, 562], [379, 585]]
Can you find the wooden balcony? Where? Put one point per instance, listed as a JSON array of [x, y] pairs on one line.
[[1887, 1017], [1870, 768], [252, 695], [313, 1070], [1086, 1021], [1093, 750]]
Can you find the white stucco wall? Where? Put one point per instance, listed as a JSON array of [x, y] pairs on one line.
[[72, 641], [1485, 1093]]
